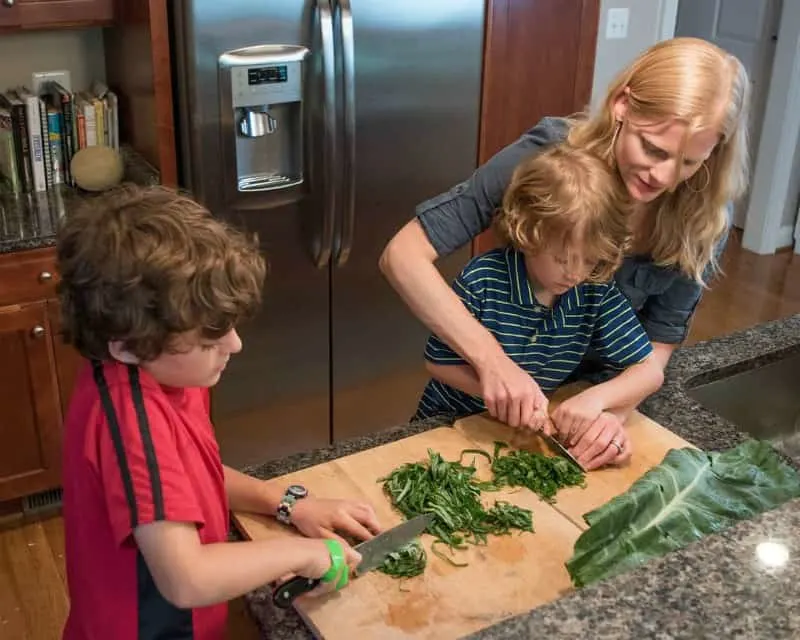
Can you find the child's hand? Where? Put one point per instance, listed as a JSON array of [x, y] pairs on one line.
[[321, 518], [574, 416]]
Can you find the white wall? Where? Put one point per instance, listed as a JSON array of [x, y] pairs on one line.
[[649, 22], [78, 51]]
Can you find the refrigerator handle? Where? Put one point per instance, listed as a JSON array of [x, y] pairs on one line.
[[329, 159], [345, 23]]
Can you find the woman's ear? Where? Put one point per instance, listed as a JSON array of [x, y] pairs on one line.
[[117, 350], [620, 106]]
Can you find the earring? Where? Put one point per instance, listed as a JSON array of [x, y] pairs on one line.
[[705, 184]]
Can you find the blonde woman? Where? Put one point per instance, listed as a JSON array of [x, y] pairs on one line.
[[673, 125]]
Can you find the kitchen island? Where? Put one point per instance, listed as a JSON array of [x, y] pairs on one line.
[[717, 587]]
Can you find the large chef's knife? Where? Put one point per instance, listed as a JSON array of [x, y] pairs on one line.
[[373, 553], [561, 450]]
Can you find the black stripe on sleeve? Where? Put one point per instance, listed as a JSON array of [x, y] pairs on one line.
[[147, 442], [116, 438]]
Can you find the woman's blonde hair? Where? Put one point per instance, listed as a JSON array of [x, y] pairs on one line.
[[565, 196], [695, 82]]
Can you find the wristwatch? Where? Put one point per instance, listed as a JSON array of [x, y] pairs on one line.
[[293, 493]]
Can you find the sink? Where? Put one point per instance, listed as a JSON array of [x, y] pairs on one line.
[[763, 401]]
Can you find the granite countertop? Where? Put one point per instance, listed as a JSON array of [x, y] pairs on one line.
[[715, 587], [30, 220]]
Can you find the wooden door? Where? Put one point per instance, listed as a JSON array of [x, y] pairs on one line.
[[47, 13], [67, 360], [538, 61], [30, 430]]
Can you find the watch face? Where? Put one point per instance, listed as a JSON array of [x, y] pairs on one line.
[[298, 491]]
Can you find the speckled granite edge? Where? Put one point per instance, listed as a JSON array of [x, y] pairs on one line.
[[686, 594]]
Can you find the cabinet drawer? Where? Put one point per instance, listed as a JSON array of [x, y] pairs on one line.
[[27, 276]]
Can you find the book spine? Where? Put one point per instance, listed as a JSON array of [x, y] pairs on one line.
[[8, 153], [35, 142], [19, 120], [46, 151], [68, 142], [56, 144]]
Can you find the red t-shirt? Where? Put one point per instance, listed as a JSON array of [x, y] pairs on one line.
[[135, 452]]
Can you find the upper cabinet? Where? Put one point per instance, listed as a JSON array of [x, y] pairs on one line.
[[38, 14]]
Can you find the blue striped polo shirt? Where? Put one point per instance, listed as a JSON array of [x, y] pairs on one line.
[[547, 342]]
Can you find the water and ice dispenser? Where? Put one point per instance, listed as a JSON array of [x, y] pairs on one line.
[[262, 91]]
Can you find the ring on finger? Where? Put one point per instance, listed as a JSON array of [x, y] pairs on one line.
[[617, 445]]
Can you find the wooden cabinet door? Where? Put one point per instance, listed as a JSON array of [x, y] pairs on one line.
[[30, 420], [9, 13], [538, 61], [68, 361], [47, 13]]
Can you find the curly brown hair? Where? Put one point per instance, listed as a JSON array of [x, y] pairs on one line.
[[564, 196], [142, 265]]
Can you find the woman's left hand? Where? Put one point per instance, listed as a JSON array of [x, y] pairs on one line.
[[322, 518], [573, 417], [605, 442]]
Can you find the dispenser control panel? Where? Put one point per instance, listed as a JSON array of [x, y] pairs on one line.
[[266, 84]]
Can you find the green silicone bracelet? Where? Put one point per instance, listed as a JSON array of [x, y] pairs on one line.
[[338, 569]]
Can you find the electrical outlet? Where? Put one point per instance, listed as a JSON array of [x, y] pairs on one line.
[[38, 78], [617, 24]]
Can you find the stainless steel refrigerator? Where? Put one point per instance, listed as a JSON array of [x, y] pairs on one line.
[[320, 125]]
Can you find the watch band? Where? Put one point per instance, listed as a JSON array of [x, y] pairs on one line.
[[290, 498]]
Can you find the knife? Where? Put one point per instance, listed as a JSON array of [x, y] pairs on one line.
[[561, 450], [373, 553]]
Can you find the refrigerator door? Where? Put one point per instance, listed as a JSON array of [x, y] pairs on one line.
[[274, 398], [416, 85]]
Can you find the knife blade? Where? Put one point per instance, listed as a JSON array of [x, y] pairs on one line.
[[373, 553], [561, 450]]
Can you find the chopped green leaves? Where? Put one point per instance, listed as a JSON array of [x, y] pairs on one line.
[[451, 492], [544, 475], [406, 562]]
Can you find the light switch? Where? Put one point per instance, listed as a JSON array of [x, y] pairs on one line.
[[617, 23]]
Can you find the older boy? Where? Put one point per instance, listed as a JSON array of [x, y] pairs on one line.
[[152, 289], [548, 298]]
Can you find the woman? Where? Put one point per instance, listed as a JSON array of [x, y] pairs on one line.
[[674, 125]]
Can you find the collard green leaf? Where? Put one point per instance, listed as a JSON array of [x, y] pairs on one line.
[[692, 493]]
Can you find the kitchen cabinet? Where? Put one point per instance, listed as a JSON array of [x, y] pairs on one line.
[[37, 375], [30, 427], [39, 14], [538, 61]]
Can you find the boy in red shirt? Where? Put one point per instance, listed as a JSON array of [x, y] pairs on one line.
[[152, 289]]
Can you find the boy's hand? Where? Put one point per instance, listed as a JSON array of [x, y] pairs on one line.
[[605, 442], [511, 394], [575, 416], [321, 518]]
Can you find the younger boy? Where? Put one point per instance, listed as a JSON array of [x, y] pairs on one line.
[[152, 289], [548, 298]]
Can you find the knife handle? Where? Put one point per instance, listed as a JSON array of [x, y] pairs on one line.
[[285, 593]]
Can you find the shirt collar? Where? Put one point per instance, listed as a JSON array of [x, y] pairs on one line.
[[521, 291]]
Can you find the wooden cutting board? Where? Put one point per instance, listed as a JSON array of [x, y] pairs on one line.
[[508, 576]]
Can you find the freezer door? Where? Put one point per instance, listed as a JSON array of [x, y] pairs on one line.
[[416, 84], [274, 398]]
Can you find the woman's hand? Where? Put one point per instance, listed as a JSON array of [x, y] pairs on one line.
[[573, 417], [322, 518], [604, 442]]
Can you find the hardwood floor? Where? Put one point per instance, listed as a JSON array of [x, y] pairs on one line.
[[33, 596]]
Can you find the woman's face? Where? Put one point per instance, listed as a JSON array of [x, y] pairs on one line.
[[647, 153]]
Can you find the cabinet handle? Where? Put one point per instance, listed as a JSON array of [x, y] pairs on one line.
[[8, 3], [38, 331], [44, 276]]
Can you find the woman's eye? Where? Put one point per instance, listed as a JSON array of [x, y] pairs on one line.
[[207, 347]]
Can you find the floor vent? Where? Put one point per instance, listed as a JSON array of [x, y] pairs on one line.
[[43, 502]]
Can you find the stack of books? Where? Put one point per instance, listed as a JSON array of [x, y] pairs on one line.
[[39, 134]]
